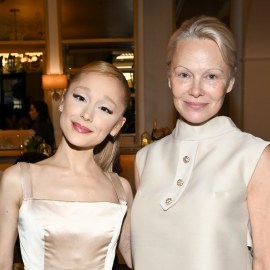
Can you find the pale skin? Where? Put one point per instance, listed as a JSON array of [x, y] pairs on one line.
[[199, 79], [71, 174]]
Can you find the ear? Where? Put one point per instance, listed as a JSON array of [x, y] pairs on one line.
[[63, 96], [118, 126], [230, 85], [169, 83], [61, 105]]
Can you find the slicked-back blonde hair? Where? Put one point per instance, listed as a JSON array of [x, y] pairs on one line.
[[106, 152], [205, 27]]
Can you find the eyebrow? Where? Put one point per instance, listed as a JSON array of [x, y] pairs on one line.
[[88, 89], [216, 68]]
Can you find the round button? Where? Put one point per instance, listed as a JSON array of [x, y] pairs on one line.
[[186, 159], [168, 201], [180, 182]]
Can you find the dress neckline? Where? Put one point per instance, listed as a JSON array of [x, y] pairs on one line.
[[28, 194], [212, 128]]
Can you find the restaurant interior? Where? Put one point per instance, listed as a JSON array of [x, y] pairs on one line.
[[44, 42]]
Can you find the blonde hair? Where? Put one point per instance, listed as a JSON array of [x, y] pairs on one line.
[[205, 27], [106, 152]]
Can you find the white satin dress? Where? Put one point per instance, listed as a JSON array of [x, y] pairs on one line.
[[68, 235]]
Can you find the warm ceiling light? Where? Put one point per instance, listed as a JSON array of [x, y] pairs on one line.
[[54, 81]]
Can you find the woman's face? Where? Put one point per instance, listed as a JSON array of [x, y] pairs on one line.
[[33, 112], [199, 79], [92, 109]]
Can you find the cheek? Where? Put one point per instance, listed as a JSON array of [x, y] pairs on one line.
[[63, 120], [70, 106], [218, 93], [178, 90]]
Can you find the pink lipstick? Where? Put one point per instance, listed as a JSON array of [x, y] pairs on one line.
[[79, 128]]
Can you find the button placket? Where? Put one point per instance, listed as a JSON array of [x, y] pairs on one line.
[[168, 201], [183, 172], [180, 182], [186, 159]]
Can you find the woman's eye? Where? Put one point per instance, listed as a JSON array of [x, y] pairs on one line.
[[79, 97], [105, 109], [212, 76], [183, 75]]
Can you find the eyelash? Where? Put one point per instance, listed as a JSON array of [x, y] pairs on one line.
[[79, 97], [103, 108], [183, 75], [186, 75], [212, 76]]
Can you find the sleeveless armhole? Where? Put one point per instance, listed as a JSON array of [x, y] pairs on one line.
[[26, 180], [118, 187]]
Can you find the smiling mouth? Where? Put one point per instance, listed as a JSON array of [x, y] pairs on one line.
[[196, 105], [81, 129]]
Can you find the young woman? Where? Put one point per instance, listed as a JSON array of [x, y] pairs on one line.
[[203, 198], [70, 208]]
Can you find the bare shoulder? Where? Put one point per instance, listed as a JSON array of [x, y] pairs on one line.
[[11, 174], [261, 174], [266, 153], [10, 182], [127, 187], [263, 165], [125, 183]]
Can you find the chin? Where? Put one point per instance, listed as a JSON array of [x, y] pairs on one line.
[[195, 121], [77, 144]]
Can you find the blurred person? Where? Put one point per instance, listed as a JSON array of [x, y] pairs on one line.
[[41, 122]]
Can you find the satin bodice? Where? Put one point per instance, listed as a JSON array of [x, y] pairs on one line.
[[68, 235]]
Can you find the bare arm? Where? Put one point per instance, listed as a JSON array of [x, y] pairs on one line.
[[124, 240], [10, 198], [259, 210]]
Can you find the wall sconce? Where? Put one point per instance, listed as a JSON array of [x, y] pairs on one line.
[[55, 83]]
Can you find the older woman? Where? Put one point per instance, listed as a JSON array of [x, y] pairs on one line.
[[203, 198]]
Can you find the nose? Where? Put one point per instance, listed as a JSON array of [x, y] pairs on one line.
[[196, 89], [87, 116]]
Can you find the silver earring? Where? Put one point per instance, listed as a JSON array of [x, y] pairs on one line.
[[60, 108], [114, 134]]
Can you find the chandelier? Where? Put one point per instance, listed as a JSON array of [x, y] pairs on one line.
[[22, 62]]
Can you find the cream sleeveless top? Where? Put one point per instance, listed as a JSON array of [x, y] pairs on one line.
[[68, 235], [190, 211]]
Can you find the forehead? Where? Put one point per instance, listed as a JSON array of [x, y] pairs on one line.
[[93, 75], [197, 51], [100, 84], [93, 80]]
